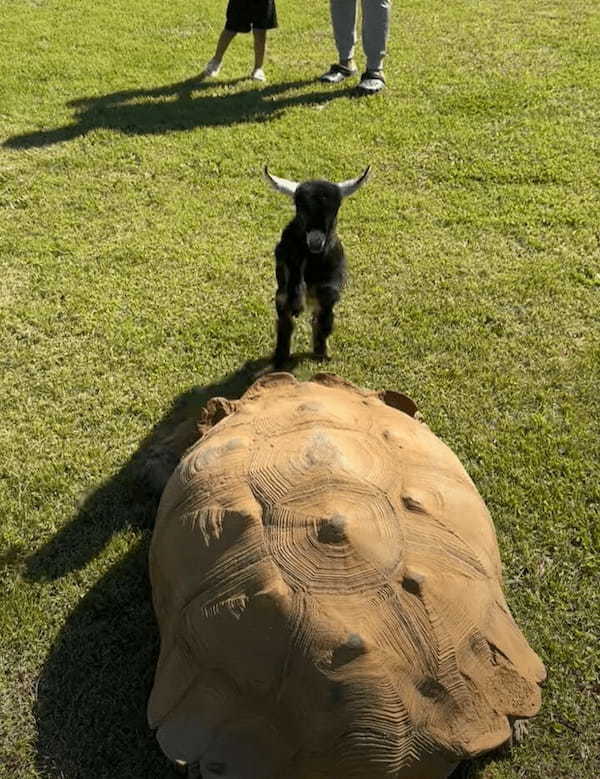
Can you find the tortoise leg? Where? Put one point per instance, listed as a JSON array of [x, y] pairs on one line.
[[519, 729]]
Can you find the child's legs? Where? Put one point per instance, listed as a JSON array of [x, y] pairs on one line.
[[222, 44], [375, 28], [260, 45], [343, 20]]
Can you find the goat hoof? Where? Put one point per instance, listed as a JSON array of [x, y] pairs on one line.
[[296, 306], [321, 356]]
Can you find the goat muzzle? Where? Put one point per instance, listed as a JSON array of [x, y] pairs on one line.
[[315, 240]]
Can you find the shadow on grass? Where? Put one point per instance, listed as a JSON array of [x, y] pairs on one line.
[[176, 107], [476, 769], [94, 686]]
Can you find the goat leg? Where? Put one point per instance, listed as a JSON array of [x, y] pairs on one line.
[[296, 302], [322, 322], [296, 290], [285, 328]]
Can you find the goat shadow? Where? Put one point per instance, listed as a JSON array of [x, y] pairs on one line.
[[93, 688], [149, 111]]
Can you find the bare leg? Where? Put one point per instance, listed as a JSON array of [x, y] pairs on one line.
[[223, 43], [260, 45]]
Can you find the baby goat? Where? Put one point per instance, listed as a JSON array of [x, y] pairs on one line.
[[309, 259]]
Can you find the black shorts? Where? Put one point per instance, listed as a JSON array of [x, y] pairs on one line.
[[246, 15]]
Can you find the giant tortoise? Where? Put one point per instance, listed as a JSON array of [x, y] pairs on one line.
[[327, 584]]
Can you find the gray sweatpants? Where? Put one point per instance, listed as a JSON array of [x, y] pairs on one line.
[[375, 27]]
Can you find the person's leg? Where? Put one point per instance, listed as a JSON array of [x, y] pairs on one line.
[[236, 20], [264, 17], [375, 29], [260, 45], [213, 66], [223, 43], [343, 21]]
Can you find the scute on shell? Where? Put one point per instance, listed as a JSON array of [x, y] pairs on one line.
[[327, 585]]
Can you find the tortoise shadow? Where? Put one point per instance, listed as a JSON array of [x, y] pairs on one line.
[[93, 688], [476, 769], [181, 106]]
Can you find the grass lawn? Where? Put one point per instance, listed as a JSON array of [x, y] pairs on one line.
[[136, 276]]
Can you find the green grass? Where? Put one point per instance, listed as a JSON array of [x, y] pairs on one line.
[[136, 243]]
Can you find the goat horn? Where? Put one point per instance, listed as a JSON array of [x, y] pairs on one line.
[[350, 186], [284, 186]]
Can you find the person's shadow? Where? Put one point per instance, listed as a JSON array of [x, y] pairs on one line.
[[92, 691], [179, 106]]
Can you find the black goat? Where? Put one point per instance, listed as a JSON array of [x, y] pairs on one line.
[[310, 260]]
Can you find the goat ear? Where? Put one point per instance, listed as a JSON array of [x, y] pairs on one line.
[[281, 185], [350, 186]]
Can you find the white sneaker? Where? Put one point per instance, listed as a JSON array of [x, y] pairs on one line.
[[258, 74], [212, 68]]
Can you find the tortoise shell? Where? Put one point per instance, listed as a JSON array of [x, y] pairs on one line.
[[327, 584]]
